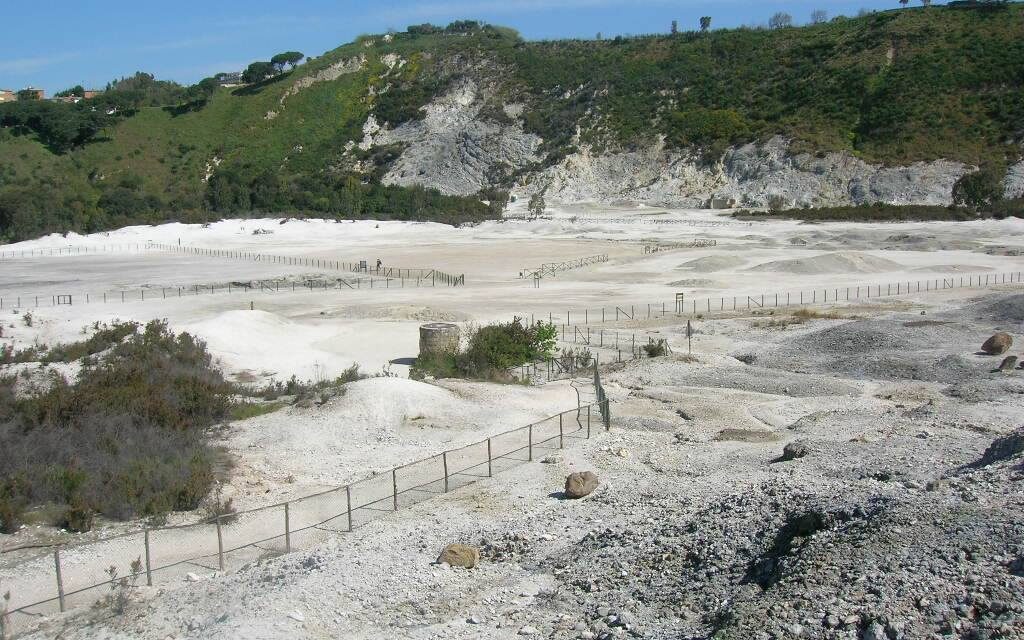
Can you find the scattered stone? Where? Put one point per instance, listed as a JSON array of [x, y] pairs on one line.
[[191, 577], [875, 631], [528, 631], [460, 555], [1008, 364], [793, 450], [554, 458], [475, 620], [580, 484], [297, 617], [998, 344]]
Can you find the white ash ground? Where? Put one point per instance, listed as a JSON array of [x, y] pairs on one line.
[[887, 528]]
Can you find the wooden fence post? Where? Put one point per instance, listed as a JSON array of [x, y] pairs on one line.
[[60, 580], [287, 530], [561, 433], [220, 546], [444, 460], [394, 489], [529, 442], [348, 504], [149, 567], [490, 471]]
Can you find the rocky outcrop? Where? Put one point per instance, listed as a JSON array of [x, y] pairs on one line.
[[755, 175], [459, 149], [1013, 183], [452, 148]]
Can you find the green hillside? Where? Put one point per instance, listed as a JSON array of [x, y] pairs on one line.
[[892, 88]]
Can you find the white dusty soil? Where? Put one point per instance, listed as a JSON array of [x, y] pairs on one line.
[[884, 402]]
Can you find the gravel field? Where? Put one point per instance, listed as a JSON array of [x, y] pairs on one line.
[[891, 515]]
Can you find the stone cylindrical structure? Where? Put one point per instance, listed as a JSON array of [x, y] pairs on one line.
[[439, 337]]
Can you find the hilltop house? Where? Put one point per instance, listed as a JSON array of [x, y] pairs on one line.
[[6, 95], [40, 93]]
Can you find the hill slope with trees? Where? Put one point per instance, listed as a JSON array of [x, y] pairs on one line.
[[891, 88]]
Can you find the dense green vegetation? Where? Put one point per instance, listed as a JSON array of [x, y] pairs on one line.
[[491, 351], [127, 439], [892, 213], [892, 87]]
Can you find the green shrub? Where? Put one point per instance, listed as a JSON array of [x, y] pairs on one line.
[[978, 189], [127, 439], [491, 351], [656, 348]]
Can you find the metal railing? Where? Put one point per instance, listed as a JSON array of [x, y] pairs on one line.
[[63, 577]]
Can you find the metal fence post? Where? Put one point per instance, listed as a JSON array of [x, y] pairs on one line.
[[60, 580], [529, 442], [220, 546], [561, 433], [490, 471], [149, 566], [287, 530], [588, 421]]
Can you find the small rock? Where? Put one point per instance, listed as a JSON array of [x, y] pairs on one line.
[[622, 452], [528, 631], [875, 631], [297, 617], [1008, 364], [580, 484], [475, 620], [460, 555], [998, 344], [793, 450], [554, 458], [191, 577]]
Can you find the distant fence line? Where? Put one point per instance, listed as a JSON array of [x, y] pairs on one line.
[[697, 243], [71, 250], [436, 276], [553, 268], [723, 305], [231, 541], [362, 266], [142, 294]]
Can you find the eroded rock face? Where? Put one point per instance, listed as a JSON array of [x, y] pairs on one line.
[[1013, 183], [754, 175], [453, 148], [580, 484], [460, 555], [459, 148]]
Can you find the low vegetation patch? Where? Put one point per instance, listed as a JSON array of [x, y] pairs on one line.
[[491, 351], [878, 212], [128, 438], [799, 316]]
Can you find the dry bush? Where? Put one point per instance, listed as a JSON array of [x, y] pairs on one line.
[[122, 589]]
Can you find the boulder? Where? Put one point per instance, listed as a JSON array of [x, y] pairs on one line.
[[580, 484], [1008, 364], [460, 555], [1004, 448], [998, 344], [794, 450]]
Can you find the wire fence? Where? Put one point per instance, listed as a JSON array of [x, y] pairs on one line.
[[153, 294], [693, 307], [362, 266], [72, 250], [553, 268], [59, 578]]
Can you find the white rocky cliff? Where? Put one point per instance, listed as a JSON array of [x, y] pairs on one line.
[[458, 149]]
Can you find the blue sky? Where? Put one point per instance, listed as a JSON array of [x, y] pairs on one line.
[[56, 44]]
